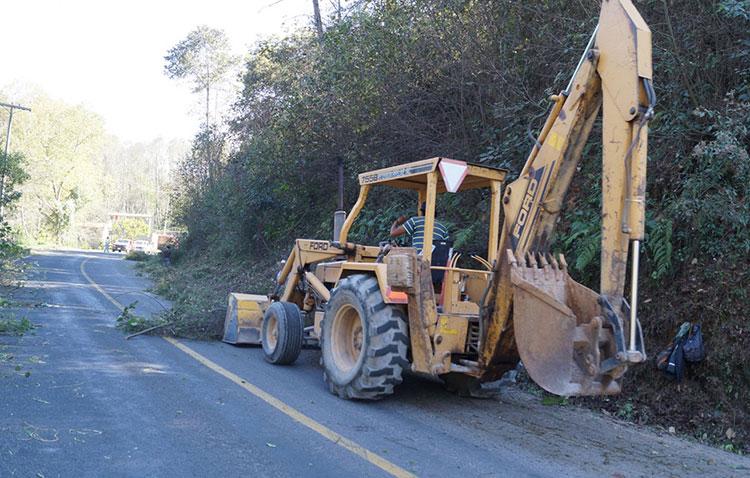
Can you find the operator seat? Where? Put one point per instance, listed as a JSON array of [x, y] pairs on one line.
[[441, 252]]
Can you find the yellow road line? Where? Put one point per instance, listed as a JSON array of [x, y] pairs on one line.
[[287, 410], [295, 414], [98, 288]]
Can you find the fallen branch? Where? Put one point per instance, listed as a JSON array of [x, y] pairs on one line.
[[148, 330]]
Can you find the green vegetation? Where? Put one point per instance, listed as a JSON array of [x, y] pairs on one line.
[[129, 228], [198, 288], [14, 326], [550, 400], [80, 174], [395, 81], [203, 58], [11, 269], [137, 256], [129, 321]]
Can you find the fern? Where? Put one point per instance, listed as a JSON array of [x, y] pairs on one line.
[[587, 249], [659, 248], [583, 241]]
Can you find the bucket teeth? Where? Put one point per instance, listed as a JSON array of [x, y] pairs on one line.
[[531, 260], [511, 258], [536, 266], [553, 262]]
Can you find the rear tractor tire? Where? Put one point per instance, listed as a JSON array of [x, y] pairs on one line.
[[281, 333], [364, 341]]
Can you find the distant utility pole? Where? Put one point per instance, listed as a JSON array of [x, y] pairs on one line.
[[5, 158]]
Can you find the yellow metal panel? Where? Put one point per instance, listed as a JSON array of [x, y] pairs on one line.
[[244, 318], [416, 168], [465, 307], [363, 190], [379, 269], [248, 301], [625, 55], [614, 254], [643, 39], [414, 176], [318, 320], [450, 334], [311, 251], [287, 266], [318, 286], [493, 174], [429, 220], [495, 208], [329, 271], [422, 315]]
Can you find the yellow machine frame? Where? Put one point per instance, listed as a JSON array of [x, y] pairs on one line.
[[445, 332]]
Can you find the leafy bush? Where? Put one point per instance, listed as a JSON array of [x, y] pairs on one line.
[[136, 256], [12, 326], [11, 269], [129, 228], [712, 212]]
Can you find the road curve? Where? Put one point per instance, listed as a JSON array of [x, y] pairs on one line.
[[79, 400]]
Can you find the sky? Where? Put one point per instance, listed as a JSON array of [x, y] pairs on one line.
[[109, 56]]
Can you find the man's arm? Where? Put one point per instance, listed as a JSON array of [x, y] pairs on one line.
[[396, 228]]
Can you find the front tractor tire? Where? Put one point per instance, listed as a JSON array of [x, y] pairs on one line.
[[281, 333], [364, 341]]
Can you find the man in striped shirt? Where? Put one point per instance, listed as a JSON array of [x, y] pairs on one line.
[[414, 227]]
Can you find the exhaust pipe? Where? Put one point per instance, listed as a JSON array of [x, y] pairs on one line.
[[338, 223], [340, 215]]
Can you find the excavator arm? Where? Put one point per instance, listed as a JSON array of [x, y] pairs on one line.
[[571, 339]]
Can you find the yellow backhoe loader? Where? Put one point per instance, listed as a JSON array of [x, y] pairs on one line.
[[376, 311]]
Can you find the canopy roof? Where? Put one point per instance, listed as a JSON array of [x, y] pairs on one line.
[[414, 175]]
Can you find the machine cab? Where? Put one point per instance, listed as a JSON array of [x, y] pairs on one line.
[[461, 288]]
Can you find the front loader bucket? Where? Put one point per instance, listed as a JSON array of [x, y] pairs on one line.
[[566, 345], [244, 318]]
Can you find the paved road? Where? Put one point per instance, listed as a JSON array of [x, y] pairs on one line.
[[79, 400]]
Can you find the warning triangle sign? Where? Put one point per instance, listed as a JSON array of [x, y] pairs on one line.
[[453, 173]]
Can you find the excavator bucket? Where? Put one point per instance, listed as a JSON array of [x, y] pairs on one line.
[[244, 318], [565, 344]]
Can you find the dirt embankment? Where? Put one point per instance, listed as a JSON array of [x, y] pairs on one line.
[[712, 403]]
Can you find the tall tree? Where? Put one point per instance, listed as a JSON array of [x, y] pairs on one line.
[[62, 145], [203, 58], [318, 20]]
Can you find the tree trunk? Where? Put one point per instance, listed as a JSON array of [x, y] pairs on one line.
[[318, 20], [208, 128]]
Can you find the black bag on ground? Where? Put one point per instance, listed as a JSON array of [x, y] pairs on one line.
[[693, 347], [676, 364], [671, 360], [662, 358]]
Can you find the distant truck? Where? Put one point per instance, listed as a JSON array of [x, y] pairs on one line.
[[141, 245], [164, 241], [122, 245]]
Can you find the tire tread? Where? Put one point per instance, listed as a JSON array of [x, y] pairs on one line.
[[385, 358]]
